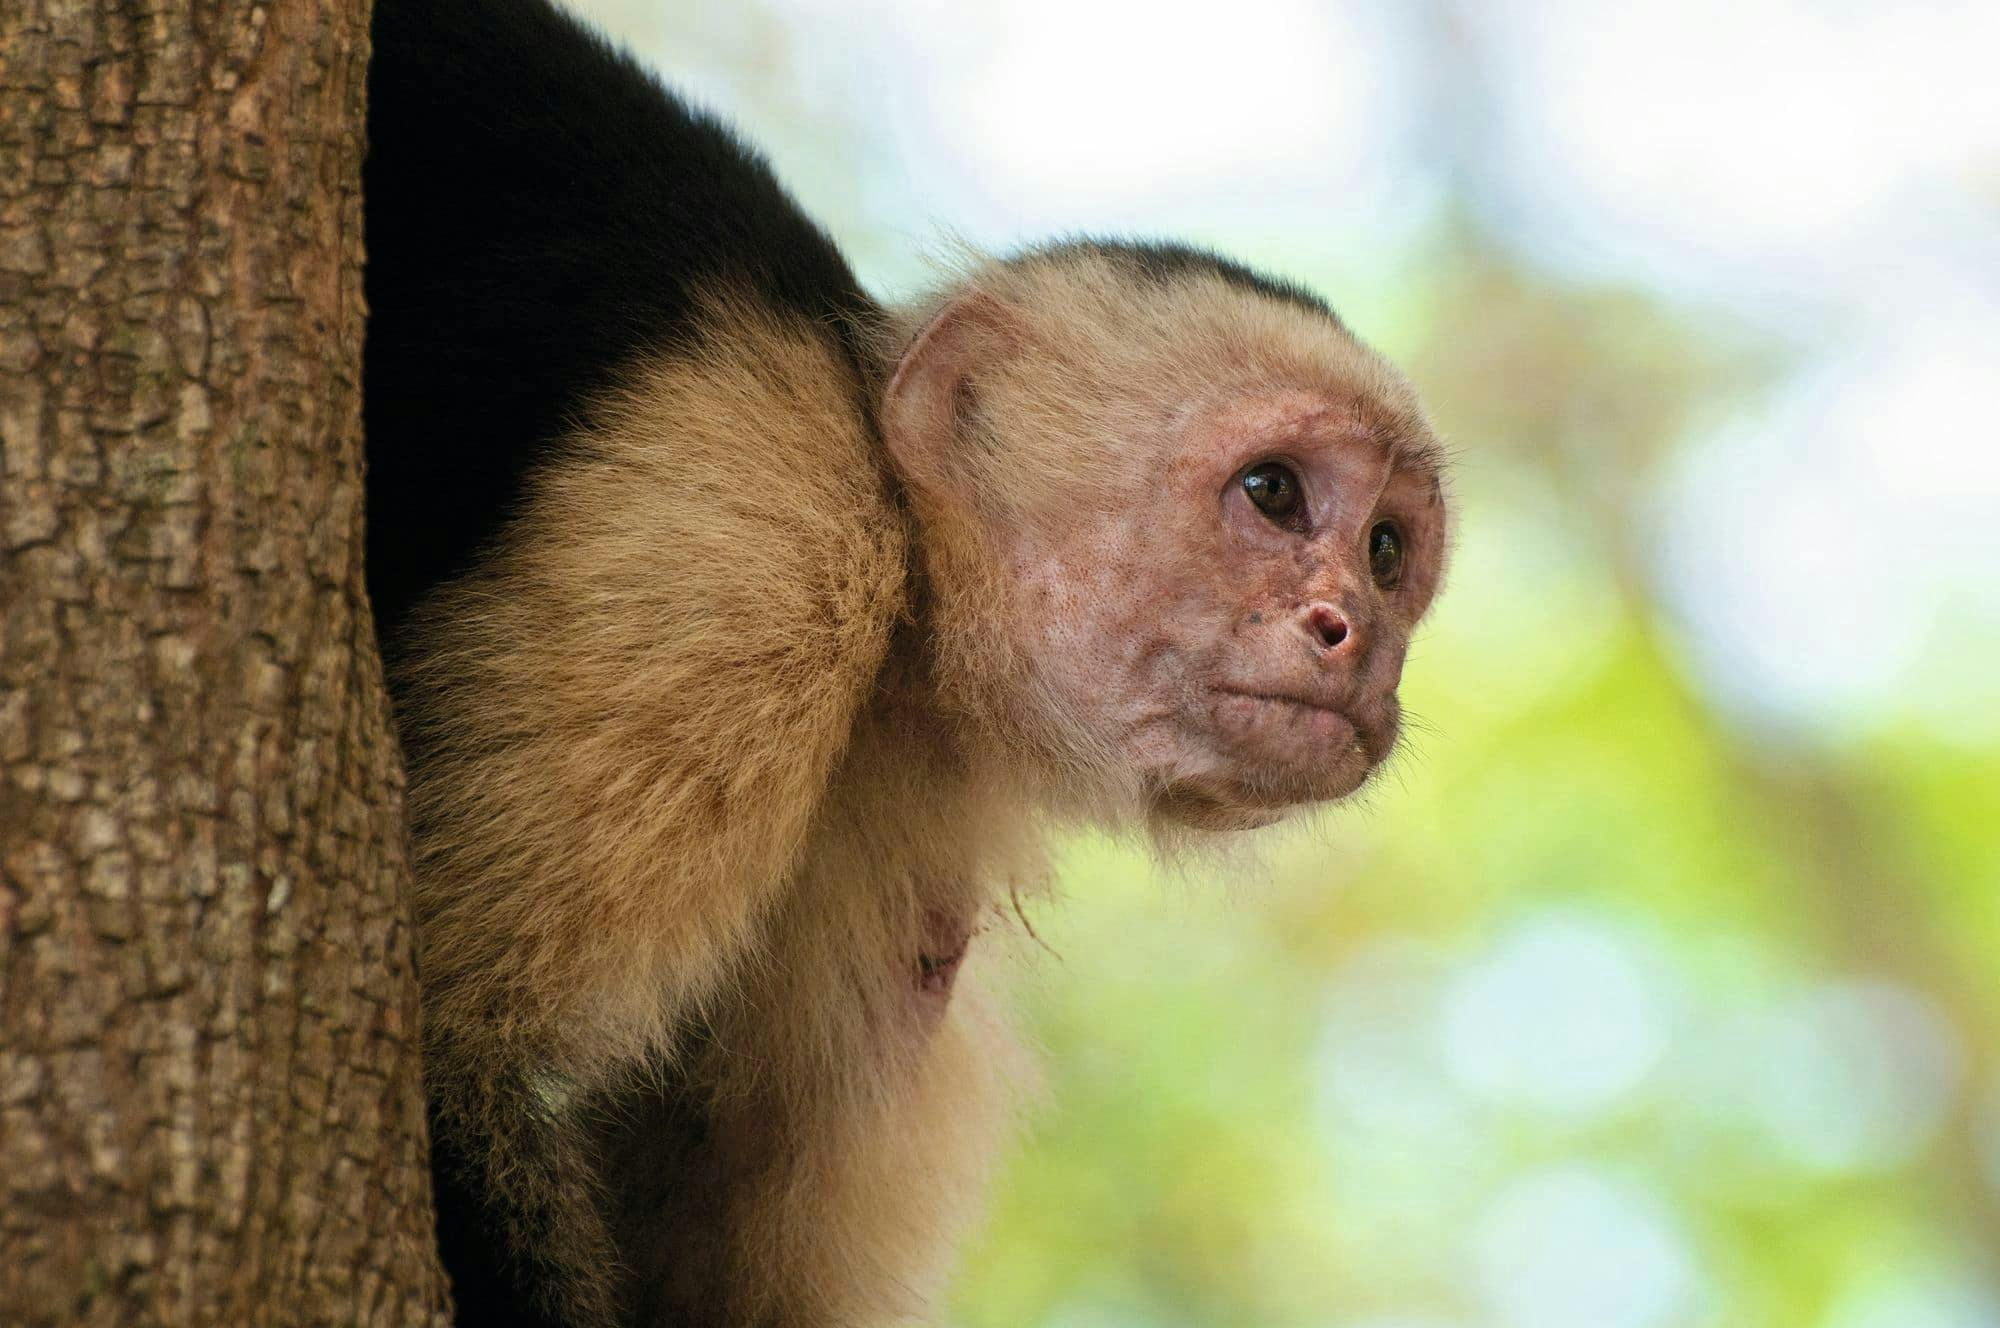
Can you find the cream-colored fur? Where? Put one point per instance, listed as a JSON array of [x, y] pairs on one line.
[[716, 741], [1102, 358], [621, 731]]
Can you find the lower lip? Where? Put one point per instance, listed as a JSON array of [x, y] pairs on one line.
[[1328, 726], [1326, 723], [1269, 698]]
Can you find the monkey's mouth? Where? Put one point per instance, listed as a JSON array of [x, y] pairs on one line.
[[1320, 721], [1304, 738], [1279, 750]]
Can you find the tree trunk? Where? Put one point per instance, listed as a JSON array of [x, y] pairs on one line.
[[210, 1109]]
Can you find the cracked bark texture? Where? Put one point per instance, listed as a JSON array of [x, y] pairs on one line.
[[210, 1109]]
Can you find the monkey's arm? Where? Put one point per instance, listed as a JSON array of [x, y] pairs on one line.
[[622, 721]]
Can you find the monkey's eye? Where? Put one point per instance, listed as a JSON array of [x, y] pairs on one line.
[[1385, 554], [1273, 489]]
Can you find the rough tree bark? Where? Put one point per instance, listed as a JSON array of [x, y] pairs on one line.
[[210, 1110]]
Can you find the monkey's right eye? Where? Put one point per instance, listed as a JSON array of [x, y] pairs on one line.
[[1273, 489]]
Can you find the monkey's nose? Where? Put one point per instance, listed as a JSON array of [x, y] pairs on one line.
[[1327, 626]]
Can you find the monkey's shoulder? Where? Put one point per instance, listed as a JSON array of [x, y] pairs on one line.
[[745, 461], [542, 216]]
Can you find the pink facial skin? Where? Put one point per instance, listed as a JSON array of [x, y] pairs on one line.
[[1243, 665]]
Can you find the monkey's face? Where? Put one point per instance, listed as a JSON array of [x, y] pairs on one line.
[[1178, 557], [1228, 620]]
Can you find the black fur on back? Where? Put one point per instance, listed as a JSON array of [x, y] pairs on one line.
[[538, 210]]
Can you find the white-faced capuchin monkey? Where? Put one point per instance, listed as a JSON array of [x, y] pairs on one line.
[[747, 638]]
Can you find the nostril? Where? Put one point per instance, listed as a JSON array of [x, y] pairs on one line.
[[1327, 625]]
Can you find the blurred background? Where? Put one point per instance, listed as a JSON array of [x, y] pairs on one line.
[[1659, 982]]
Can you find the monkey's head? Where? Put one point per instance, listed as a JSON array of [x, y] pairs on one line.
[[1178, 525]]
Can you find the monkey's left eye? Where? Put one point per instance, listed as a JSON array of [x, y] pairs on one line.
[[1385, 554], [1273, 489]]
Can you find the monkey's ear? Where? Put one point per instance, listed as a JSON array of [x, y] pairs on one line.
[[925, 408]]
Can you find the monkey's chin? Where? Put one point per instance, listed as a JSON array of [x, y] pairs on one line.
[[1199, 809], [1224, 804]]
